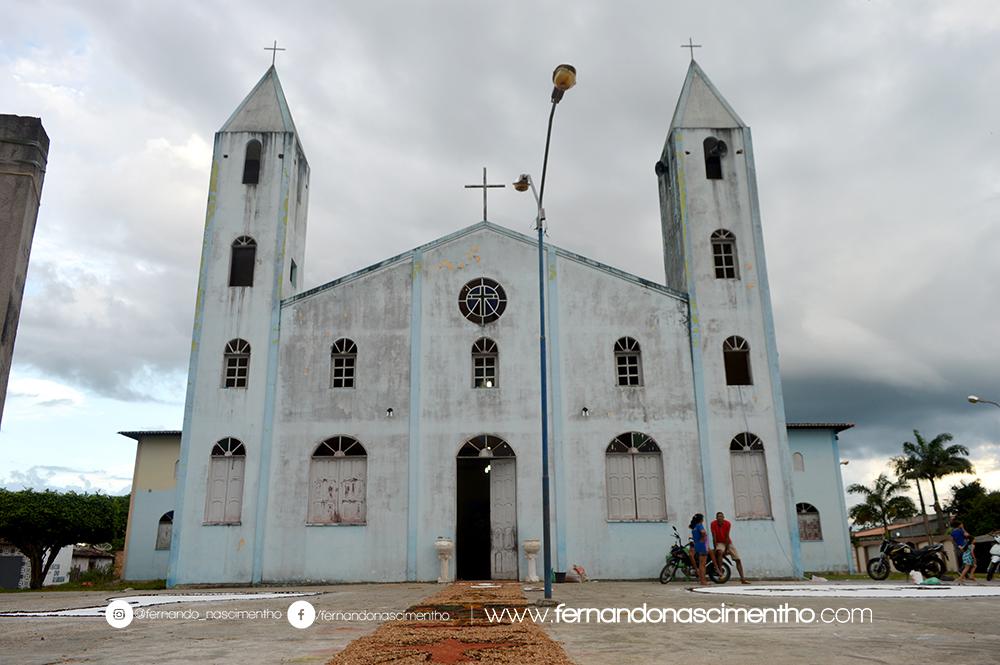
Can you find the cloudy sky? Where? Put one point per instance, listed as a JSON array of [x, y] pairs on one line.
[[875, 132]]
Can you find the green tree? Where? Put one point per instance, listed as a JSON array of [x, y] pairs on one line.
[[977, 508], [883, 503], [41, 523], [934, 460], [907, 467]]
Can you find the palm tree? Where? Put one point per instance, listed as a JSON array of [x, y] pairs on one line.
[[907, 468], [933, 460], [883, 504]]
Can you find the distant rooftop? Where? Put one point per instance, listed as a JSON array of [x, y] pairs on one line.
[[838, 427], [151, 432]]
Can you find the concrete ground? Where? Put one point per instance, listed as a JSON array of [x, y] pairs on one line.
[[902, 630]]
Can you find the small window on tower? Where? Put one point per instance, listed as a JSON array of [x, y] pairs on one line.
[[242, 262], [251, 163], [293, 273], [736, 356], [724, 254], [715, 150]]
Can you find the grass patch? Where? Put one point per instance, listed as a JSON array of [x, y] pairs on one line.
[[109, 585]]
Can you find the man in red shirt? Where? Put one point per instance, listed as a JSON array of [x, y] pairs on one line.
[[724, 544]]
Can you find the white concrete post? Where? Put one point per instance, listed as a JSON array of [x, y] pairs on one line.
[[531, 548], [444, 547]]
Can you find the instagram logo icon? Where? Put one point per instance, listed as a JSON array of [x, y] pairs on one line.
[[118, 614]]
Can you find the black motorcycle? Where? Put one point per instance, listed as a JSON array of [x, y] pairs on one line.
[[904, 558], [679, 559]]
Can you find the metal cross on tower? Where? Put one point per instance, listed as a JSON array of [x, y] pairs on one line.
[[691, 45], [274, 51], [484, 187]]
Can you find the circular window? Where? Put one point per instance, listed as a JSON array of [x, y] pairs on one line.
[[482, 301]]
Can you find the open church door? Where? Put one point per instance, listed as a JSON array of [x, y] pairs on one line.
[[503, 519]]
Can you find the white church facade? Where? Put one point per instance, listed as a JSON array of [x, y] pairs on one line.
[[335, 434]]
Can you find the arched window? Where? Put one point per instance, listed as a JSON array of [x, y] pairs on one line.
[[736, 355], [485, 357], [724, 254], [809, 526], [164, 530], [798, 462], [343, 361], [251, 163], [628, 362], [486, 445], [236, 364], [634, 470], [751, 496], [715, 150], [338, 480], [224, 502], [241, 263]]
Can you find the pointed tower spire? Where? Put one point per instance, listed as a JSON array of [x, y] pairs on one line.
[[263, 110], [702, 105]]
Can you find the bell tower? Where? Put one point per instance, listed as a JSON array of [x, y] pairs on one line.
[[714, 251], [252, 259]]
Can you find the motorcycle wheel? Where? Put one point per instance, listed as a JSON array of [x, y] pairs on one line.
[[668, 572], [933, 567], [990, 571], [722, 576], [878, 568]]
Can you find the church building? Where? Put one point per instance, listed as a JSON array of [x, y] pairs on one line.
[[335, 434]]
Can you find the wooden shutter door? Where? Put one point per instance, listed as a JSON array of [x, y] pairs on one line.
[[234, 488], [621, 487], [649, 486]]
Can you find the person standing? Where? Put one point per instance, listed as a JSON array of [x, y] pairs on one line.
[[700, 550], [963, 543], [723, 545]]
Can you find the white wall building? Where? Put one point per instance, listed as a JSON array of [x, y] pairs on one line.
[[335, 434]]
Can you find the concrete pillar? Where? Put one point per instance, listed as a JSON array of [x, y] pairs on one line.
[[24, 152]]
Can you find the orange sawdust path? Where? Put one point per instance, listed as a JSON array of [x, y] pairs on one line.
[[466, 636]]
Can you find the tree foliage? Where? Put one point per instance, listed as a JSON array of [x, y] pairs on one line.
[[41, 523], [883, 503], [931, 460], [978, 509]]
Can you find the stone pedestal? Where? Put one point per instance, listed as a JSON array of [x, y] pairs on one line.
[[531, 548], [444, 547]]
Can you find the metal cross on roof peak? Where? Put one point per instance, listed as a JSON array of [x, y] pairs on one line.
[[691, 45], [484, 187], [274, 51]]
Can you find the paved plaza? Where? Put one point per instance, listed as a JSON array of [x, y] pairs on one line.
[[244, 629]]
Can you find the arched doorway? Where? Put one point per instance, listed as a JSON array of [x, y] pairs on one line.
[[486, 494]]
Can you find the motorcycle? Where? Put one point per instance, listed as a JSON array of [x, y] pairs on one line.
[[994, 558], [679, 559], [904, 558]]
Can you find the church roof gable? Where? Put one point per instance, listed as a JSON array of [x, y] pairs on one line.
[[702, 105], [263, 110], [489, 226]]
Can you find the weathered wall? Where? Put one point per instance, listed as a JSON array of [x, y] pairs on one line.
[[720, 308], [820, 485], [272, 212], [436, 409], [373, 311], [154, 493], [595, 310], [24, 150]]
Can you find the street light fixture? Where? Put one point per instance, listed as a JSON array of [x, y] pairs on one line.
[[979, 400], [563, 78]]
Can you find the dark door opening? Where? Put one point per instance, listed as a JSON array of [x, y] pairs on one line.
[[472, 536]]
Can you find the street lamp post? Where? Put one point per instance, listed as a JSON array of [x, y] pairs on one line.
[[979, 400], [563, 78]]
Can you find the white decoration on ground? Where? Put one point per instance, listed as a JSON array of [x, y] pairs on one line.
[[164, 599], [857, 591]]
